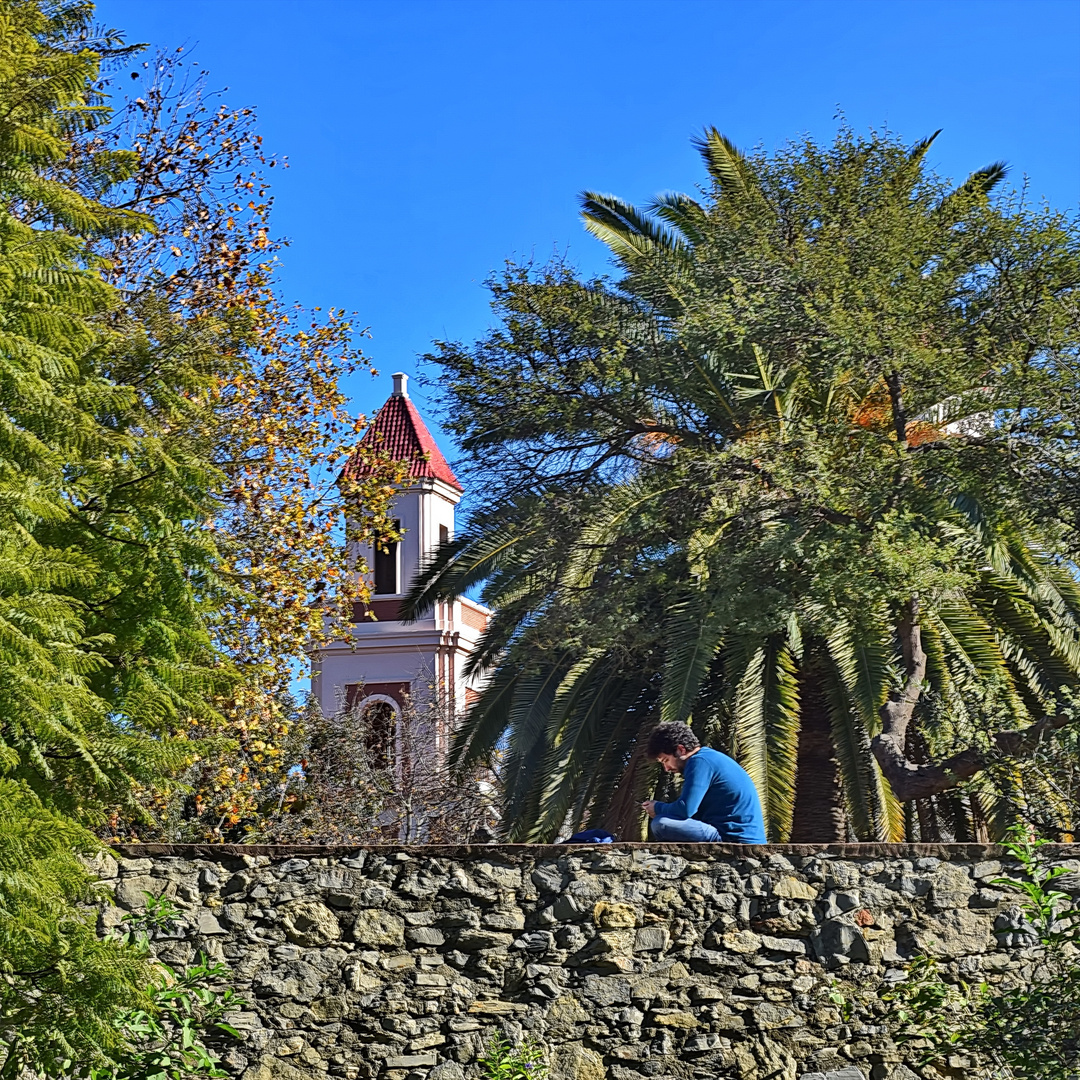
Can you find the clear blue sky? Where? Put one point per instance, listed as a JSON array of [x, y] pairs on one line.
[[430, 140]]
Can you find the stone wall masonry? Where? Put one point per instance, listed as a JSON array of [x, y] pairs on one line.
[[625, 961]]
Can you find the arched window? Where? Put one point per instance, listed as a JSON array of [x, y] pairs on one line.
[[379, 717]]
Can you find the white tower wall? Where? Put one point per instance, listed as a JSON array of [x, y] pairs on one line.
[[389, 658]]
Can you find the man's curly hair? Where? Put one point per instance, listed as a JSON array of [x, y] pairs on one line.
[[667, 737]]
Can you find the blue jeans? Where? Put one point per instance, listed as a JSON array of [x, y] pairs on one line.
[[684, 830]]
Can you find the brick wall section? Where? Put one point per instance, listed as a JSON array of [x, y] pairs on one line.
[[626, 961]]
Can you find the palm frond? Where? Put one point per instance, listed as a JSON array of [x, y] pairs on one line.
[[724, 161], [977, 186], [861, 779], [781, 709], [970, 638], [748, 727], [622, 811], [458, 566], [918, 151], [866, 666], [682, 213], [693, 638], [486, 722], [591, 720], [629, 233], [893, 827], [938, 674], [606, 524], [983, 181], [1048, 657], [622, 762], [527, 744]]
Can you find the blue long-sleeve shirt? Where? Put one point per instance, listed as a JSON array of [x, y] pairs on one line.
[[717, 789]]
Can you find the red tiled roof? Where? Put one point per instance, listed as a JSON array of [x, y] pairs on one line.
[[399, 430]]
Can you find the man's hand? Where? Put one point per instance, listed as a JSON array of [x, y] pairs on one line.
[[649, 806]]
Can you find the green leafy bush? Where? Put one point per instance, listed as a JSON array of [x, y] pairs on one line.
[[167, 1040]]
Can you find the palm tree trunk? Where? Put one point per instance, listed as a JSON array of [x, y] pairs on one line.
[[819, 799], [627, 819]]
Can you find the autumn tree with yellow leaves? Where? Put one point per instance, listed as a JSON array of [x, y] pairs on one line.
[[201, 288]]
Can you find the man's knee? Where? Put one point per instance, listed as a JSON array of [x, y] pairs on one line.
[[658, 828], [678, 830]]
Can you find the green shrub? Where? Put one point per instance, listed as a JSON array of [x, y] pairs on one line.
[[504, 1061], [167, 1040]]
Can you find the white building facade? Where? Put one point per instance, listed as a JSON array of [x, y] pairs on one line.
[[386, 660]]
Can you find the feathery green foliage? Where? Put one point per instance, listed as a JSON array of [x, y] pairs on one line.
[[106, 572], [836, 390], [60, 985]]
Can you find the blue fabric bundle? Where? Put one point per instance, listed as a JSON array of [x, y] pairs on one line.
[[590, 836]]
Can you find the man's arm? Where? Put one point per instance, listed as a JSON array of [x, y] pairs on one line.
[[695, 784]]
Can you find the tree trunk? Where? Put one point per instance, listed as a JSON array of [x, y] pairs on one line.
[[626, 818], [819, 800]]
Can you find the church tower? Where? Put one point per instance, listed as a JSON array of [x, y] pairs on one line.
[[387, 661]]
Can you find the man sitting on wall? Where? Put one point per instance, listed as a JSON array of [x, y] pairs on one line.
[[718, 801]]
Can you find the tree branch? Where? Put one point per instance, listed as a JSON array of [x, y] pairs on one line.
[[892, 380], [1026, 742], [896, 713], [911, 781]]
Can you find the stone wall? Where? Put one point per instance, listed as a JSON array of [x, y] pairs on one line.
[[624, 961]]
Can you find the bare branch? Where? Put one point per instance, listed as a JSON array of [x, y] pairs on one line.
[[913, 781], [1026, 742], [892, 380]]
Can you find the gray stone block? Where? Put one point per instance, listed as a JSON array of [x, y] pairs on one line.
[[425, 935], [411, 1061], [651, 939], [206, 924]]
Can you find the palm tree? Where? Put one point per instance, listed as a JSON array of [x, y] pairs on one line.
[[801, 525]]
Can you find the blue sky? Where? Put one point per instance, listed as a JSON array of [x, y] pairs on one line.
[[430, 140]]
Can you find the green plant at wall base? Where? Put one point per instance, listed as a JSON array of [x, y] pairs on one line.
[[504, 1061], [1026, 1028], [1049, 910], [929, 1008], [160, 916], [168, 1040]]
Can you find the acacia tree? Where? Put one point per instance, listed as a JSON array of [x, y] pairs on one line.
[[77, 729], [779, 480], [142, 514]]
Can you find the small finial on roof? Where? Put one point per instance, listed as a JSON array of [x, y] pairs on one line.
[[401, 381]]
